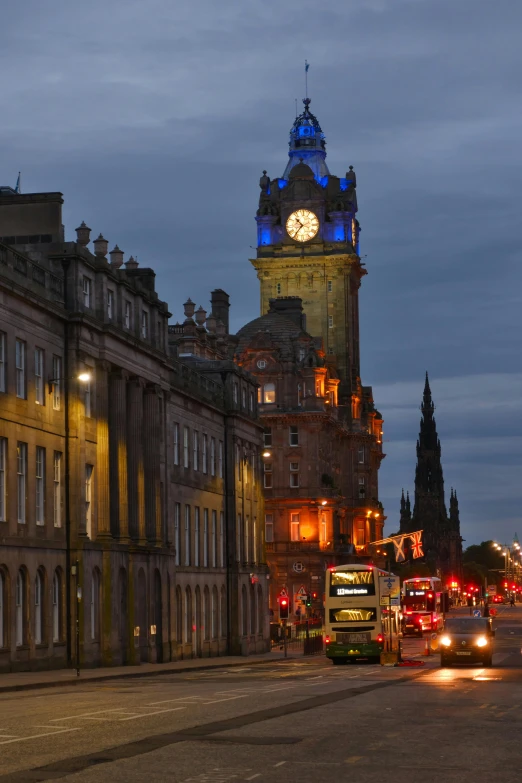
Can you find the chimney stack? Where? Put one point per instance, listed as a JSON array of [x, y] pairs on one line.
[[220, 302]]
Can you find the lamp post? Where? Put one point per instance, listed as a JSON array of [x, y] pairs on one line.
[[511, 565], [70, 570]]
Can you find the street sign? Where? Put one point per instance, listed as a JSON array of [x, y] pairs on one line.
[[492, 589], [283, 592], [302, 591], [477, 613], [390, 587]]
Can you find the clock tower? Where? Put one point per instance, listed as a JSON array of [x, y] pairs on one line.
[[308, 246]]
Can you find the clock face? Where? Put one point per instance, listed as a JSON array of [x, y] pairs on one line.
[[302, 225]]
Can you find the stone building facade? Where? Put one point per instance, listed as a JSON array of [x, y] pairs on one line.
[[323, 434], [89, 486]]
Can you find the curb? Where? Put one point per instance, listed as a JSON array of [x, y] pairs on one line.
[[27, 686]]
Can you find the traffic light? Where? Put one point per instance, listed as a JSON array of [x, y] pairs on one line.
[[308, 599], [283, 608], [314, 596], [430, 602]]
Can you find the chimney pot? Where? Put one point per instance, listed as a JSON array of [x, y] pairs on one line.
[[131, 263], [116, 257], [101, 246]]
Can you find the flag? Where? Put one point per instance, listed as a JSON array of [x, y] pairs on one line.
[[416, 544], [18, 184], [307, 65], [398, 544]]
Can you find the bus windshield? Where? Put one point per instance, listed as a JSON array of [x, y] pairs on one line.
[[352, 583]]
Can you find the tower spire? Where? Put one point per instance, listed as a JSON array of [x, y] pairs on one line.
[[307, 65]]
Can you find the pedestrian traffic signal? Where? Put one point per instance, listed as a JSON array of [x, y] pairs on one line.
[[430, 602], [283, 608]]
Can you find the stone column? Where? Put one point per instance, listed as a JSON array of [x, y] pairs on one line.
[[135, 460], [152, 463], [102, 450], [118, 454]]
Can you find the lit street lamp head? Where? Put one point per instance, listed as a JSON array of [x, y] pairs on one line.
[[84, 377]]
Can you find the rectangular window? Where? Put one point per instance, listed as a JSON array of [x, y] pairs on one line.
[[88, 499], [3, 484], [159, 334], [246, 539], [20, 369], [267, 477], [21, 469], [294, 474], [187, 535], [40, 485], [243, 398], [3, 359], [213, 547], [293, 435], [127, 315], [195, 443], [87, 286], [238, 537], [235, 392], [186, 462], [205, 454], [362, 487], [57, 488], [254, 540], [220, 460], [361, 455], [245, 466], [39, 384], [322, 528], [177, 520], [238, 462], [205, 537], [269, 393], [299, 395], [269, 528], [110, 304], [176, 444], [267, 436], [330, 286], [196, 536], [252, 402], [294, 527], [88, 399], [57, 382], [212, 456], [144, 325], [330, 321]]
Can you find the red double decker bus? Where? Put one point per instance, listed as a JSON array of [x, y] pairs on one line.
[[422, 605]]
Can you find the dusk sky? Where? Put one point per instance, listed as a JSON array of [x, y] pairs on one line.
[[155, 119]]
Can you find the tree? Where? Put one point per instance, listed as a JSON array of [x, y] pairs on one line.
[[485, 555]]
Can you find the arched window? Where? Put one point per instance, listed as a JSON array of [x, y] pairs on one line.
[[269, 393], [21, 607], [215, 609], [244, 611], [39, 593], [179, 615], [3, 609], [206, 614], [95, 605], [260, 608], [57, 606], [253, 613], [223, 614], [188, 616]]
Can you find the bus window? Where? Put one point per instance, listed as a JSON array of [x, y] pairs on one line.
[[353, 615], [352, 583]]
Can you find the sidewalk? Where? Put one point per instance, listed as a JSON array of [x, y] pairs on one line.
[[58, 678]]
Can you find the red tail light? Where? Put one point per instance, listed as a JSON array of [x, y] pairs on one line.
[[327, 639], [380, 638], [409, 612]]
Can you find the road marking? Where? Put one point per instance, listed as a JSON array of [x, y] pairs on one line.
[[8, 736], [218, 701], [257, 775], [280, 764], [150, 714], [169, 701], [84, 715], [353, 759], [37, 736]]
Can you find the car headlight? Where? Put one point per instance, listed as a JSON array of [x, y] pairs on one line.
[[445, 640], [482, 641]]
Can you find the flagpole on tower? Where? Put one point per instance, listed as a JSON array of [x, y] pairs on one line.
[[307, 65]]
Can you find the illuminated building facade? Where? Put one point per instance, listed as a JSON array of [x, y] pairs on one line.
[[90, 397], [442, 542], [323, 434]]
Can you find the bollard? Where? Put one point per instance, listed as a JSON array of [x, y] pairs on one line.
[[427, 649]]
